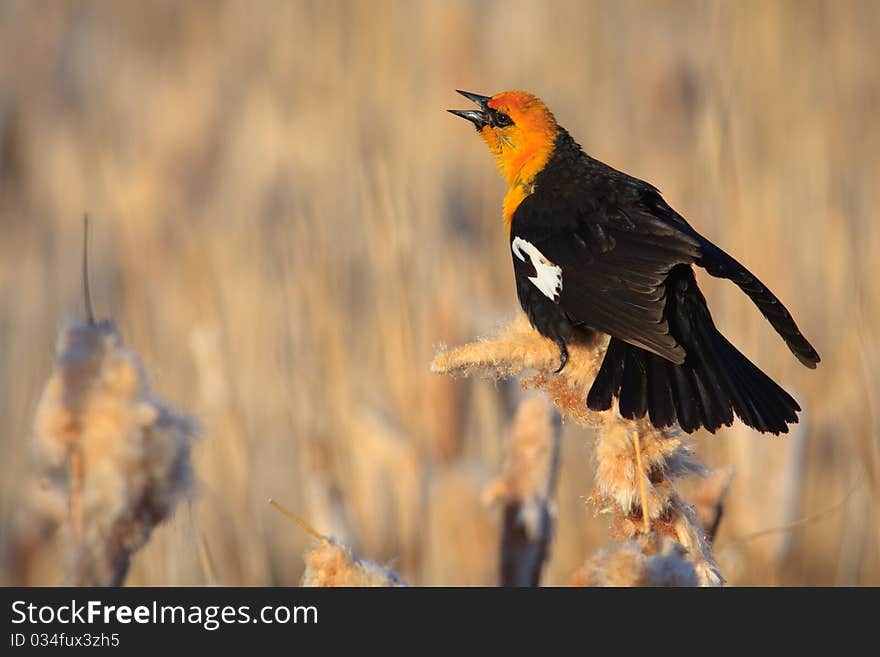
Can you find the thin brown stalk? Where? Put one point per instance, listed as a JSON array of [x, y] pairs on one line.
[[311, 531], [802, 522], [643, 491]]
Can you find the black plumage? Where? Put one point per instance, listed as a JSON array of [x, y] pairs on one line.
[[626, 259]]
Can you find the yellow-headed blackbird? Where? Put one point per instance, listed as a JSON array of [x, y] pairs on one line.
[[595, 249]]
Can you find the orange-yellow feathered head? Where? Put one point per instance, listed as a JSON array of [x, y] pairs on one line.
[[519, 130]]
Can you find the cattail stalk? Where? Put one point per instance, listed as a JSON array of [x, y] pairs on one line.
[[526, 490], [637, 464]]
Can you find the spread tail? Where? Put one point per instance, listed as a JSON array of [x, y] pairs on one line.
[[714, 382]]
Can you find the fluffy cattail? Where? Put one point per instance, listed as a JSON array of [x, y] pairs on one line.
[[519, 350], [119, 455], [637, 464], [332, 564], [627, 564], [620, 485]]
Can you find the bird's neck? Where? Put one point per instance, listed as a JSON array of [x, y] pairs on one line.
[[519, 167]]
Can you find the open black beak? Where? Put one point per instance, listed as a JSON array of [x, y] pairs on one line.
[[480, 118]]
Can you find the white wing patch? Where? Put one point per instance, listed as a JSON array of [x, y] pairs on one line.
[[548, 277]]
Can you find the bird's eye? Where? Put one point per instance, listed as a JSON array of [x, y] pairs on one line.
[[502, 120]]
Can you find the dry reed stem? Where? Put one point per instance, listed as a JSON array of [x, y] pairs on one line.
[[636, 486], [709, 500], [526, 489], [643, 489], [460, 540], [209, 571], [384, 481], [119, 455], [311, 531]]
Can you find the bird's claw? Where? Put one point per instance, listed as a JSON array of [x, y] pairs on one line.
[[563, 356]]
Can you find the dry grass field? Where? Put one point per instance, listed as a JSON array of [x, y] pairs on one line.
[[287, 226]]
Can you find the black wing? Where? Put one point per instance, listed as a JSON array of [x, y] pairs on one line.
[[721, 265], [615, 254], [616, 240]]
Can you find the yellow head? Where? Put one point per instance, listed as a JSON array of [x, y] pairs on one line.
[[518, 128], [520, 132]]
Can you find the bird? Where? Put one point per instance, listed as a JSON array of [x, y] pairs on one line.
[[597, 251]]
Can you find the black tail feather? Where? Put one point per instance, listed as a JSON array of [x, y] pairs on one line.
[[715, 382], [695, 394], [685, 399], [634, 391], [608, 379], [661, 404]]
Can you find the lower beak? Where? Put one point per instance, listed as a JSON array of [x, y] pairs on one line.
[[480, 118]]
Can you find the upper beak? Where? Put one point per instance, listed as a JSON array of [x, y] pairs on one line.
[[480, 118]]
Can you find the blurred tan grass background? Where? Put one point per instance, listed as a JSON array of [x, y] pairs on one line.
[[287, 225]]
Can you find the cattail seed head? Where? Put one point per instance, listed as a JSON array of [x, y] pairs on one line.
[[119, 454]]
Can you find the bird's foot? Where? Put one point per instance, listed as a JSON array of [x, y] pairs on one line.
[[563, 356]]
